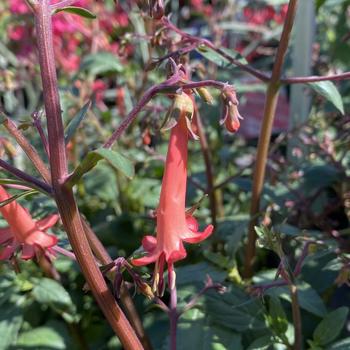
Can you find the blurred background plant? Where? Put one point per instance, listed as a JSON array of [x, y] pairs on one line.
[[111, 60]]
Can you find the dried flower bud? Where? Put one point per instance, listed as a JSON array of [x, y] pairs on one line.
[[145, 289], [157, 9]]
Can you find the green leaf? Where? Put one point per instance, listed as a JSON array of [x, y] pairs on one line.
[[261, 343], [219, 59], [75, 122], [118, 161], [196, 331], [115, 159], [10, 323], [17, 196], [101, 63], [343, 344], [235, 310], [328, 90], [41, 338], [320, 176], [331, 326], [319, 4], [80, 11], [277, 317], [197, 273], [50, 292], [309, 300]]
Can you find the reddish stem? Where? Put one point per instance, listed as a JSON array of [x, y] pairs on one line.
[[64, 196]]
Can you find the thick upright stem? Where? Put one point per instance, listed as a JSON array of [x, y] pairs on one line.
[[43, 26], [64, 196], [265, 135]]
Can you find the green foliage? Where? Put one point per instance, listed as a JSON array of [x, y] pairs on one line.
[[195, 331], [330, 327], [328, 90], [219, 59], [75, 122], [80, 11], [17, 196], [51, 293], [303, 199], [10, 323], [115, 159], [277, 317], [41, 338], [101, 63]]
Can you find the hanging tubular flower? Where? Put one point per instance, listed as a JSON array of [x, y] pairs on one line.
[[173, 225], [230, 114], [23, 233]]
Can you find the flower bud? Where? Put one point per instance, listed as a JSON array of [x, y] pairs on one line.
[[232, 123], [145, 289], [205, 95], [230, 115]]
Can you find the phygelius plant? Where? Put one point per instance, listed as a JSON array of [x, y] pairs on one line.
[[174, 226], [23, 232]]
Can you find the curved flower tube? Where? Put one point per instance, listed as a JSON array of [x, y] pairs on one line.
[[23, 233], [173, 225]]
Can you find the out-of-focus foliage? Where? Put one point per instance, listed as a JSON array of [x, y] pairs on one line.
[[306, 195]]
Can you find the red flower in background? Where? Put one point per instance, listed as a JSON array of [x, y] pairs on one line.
[[71, 33], [23, 233], [173, 225]]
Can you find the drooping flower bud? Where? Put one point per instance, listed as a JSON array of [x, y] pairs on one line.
[[230, 115]]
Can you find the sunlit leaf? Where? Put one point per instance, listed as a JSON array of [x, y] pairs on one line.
[[80, 11]]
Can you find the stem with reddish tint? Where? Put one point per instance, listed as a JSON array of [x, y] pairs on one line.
[[34, 182], [298, 332], [94, 242], [64, 196], [125, 298], [265, 135], [29, 150]]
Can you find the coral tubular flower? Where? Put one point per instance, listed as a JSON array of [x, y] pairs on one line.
[[173, 225], [23, 233]]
